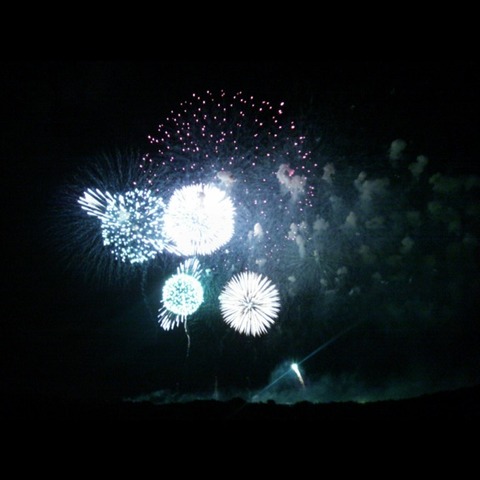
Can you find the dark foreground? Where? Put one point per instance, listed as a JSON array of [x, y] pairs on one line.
[[458, 405]]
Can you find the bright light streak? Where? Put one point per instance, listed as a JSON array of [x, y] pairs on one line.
[[310, 355], [294, 367]]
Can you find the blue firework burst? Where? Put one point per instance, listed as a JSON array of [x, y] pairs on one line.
[[131, 223], [182, 295]]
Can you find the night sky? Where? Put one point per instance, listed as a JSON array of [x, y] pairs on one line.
[[395, 319]]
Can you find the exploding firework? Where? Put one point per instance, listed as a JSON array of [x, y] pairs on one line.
[[250, 303], [87, 212], [199, 219], [182, 295], [242, 144], [131, 223], [223, 136], [390, 232], [248, 149]]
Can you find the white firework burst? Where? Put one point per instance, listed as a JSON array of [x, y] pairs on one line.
[[199, 219], [250, 303], [182, 295]]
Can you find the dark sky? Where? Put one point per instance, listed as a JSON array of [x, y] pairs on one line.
[[64, 337]]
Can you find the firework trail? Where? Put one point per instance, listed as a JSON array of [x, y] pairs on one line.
[[296, 369]]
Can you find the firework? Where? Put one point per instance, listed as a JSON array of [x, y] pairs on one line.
[[82, 220], [182, 295], [245, 195], [131, 223], [250, 303], [250, 150], [199, 219], [244, 145], [222, 135]]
